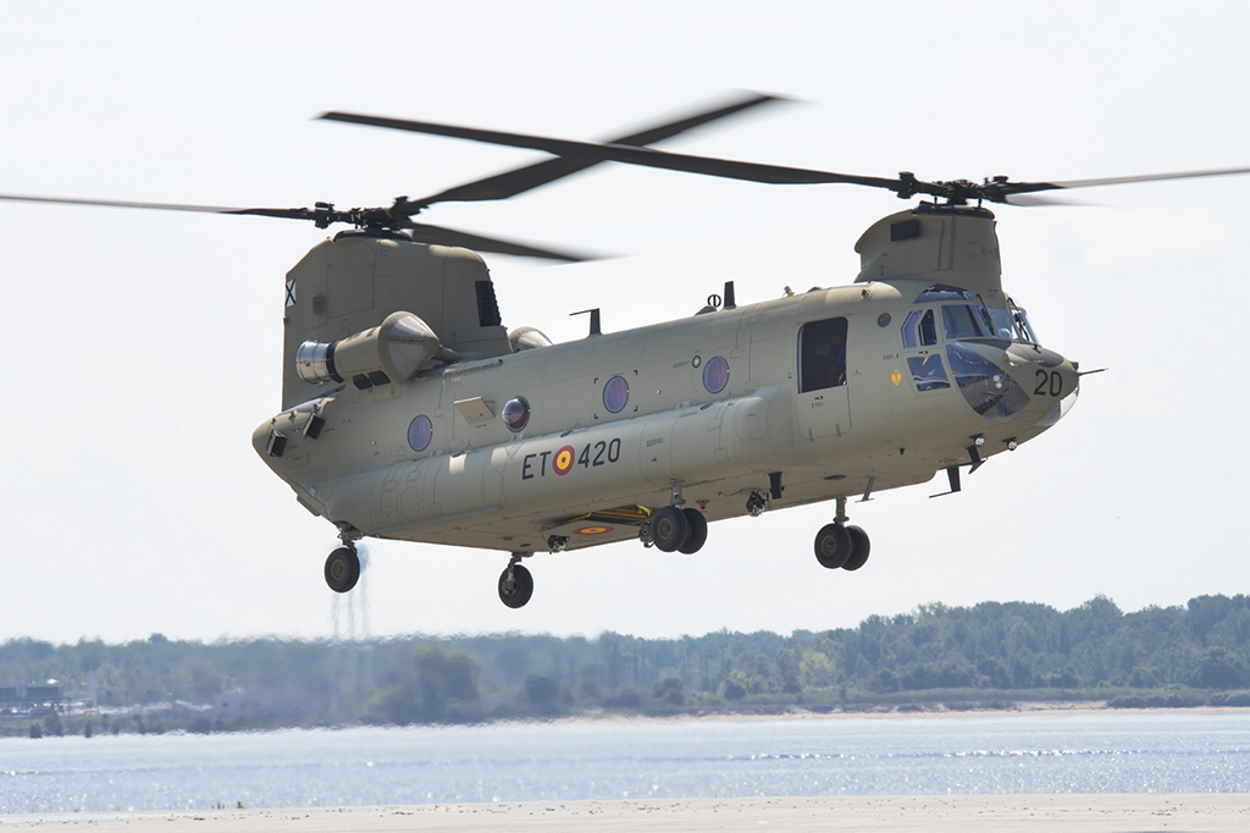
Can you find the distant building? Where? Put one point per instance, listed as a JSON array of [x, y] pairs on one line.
[[23, 698]]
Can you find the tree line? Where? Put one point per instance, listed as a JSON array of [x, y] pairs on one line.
[[987, 654]]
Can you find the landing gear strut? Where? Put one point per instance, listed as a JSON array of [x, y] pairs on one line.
[[516, 585], [838, 545]]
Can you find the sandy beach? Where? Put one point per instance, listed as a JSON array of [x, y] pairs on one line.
[[1211, 813]]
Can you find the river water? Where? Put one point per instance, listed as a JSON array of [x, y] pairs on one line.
[[1165, 752]]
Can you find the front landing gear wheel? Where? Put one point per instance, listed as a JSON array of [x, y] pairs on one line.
[[669, 528], [697, 534], [860, 547], [833, 546], [342, 569], [516, 585]]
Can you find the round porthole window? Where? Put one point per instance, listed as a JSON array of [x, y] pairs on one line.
[[716, 374], [420, 432], [883, 320], [516, 414], [616, 394]]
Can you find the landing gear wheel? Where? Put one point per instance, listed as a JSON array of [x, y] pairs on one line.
[[516, 585], [860, 547], [833, 546], [669, 528], [342, 569], [697, 535]]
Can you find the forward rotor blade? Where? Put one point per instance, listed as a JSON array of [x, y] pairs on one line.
[[519, 180], [1029, 187], [648, 157], [287, 213], [1029, 200], [442, 236]]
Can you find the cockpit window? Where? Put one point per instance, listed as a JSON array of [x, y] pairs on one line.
[[909, 329], [928, 329], [1025, 328], [967, 321], [1002, 325], [941, 292], [961, 322]]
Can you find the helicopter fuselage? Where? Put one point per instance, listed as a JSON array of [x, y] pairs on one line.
[[828, 394]]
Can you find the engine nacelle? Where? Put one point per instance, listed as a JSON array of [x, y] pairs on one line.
[[398, 347]]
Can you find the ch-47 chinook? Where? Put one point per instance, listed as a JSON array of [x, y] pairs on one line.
[[410, 413]]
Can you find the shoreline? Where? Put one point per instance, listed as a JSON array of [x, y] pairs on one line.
[[1028, 708], [1208, 813]]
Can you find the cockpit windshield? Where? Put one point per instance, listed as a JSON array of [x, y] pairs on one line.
[[964, 321], [967, 318]]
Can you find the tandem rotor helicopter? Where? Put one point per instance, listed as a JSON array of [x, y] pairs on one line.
[[409, 412]]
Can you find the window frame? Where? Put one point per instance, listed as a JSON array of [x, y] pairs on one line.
[[840, 323]]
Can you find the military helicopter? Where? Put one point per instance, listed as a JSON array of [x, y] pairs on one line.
[[409, 412]]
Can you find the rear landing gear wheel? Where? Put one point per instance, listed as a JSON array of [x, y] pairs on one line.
[[342, 569], [516, 585], [860, 547], [833, 546], [669, 528], [696, 536]]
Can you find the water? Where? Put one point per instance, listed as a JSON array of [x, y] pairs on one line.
[[1052, 753]]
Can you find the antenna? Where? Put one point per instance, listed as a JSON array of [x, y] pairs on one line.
[[595, 328]]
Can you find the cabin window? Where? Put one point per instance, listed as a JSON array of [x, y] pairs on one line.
[[616, 394], [822, 354], [420, 432], [716, 374], [928, 329], [516, 414]]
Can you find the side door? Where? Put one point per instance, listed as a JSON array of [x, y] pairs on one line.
[[823, 404]]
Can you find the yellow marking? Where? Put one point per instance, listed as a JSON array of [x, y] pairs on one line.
[[896, 376], [594, 530]]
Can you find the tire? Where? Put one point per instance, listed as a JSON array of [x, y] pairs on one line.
[[670, 528], [517, 592], [342, 569], [860, 547], [833, 546], [697, 535]]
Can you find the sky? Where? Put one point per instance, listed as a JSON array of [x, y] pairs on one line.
[[146, 346]]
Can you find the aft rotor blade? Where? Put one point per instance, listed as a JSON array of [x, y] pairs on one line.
[[648, 157], [1029, 187], [519, 180], [288, 213], [443, 236]]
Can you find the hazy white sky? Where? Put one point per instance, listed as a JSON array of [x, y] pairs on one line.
[[144, 347]]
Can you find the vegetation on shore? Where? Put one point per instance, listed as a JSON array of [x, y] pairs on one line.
[[991, 655]]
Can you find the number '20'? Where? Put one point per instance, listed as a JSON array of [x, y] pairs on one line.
[[1048, 383]]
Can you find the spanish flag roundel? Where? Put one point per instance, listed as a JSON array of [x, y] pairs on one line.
[[563, 461]]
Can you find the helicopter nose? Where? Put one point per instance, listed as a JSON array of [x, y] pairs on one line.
[[1057, 380]]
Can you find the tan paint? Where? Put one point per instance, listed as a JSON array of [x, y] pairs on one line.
[[479, 485]]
